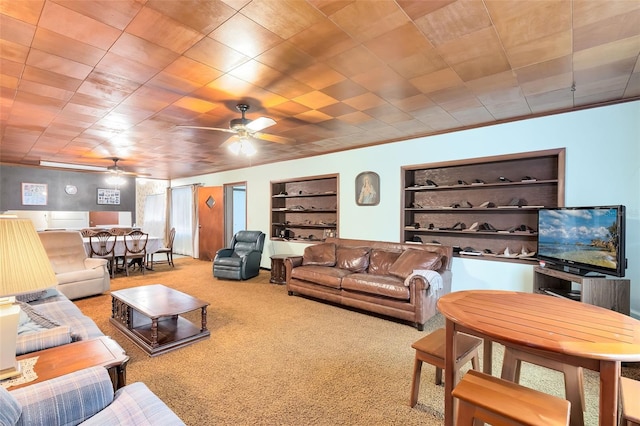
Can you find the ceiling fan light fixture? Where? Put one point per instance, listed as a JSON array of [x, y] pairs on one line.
[[115, 179], [242, 146]]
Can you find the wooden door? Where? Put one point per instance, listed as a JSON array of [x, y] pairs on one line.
[[210, 221], [103, 218]]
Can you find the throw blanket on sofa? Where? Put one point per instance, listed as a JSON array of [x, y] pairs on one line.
[[433, 278]]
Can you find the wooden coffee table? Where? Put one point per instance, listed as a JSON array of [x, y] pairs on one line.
[[65, 359], [150, 317]]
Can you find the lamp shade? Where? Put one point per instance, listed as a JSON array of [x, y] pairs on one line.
[[24, 264]]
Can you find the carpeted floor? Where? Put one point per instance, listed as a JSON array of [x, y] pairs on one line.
[[275, 359]]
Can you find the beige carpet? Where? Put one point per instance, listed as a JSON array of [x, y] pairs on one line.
[[275, 359]]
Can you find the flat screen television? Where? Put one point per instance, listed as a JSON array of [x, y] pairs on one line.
[[583, 240]]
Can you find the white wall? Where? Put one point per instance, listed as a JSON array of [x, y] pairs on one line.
[[602, 168]]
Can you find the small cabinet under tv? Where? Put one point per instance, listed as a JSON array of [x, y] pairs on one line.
[[613, 294]]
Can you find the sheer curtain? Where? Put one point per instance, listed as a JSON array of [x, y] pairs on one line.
[[155, 215], [183, 218]]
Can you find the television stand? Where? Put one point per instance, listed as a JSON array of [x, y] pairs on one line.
[[614, 294]]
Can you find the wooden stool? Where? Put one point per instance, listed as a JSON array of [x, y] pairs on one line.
[[431, 349], [500, 402], [630, 397], [573, 378]]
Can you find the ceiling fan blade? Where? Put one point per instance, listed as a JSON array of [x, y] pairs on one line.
[[272, 138], [206, 128], [260, 123], [229, 141]]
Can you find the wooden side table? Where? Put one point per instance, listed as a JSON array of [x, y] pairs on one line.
[[65, 359], [278, 272]]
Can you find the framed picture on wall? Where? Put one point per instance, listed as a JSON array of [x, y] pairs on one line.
[[34, 194], [108, 196], [367, 189]]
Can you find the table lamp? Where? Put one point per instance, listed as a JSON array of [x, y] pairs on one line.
[[24, 268]]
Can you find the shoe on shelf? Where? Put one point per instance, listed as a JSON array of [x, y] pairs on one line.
[[472, 228], [518, 202], [461, 182], [477, 182], [459, 226], [431, 183], [524, 228], [487, 227], [528, 179], [470, 251], [525, 253], [504, 179], [507, 253], [487, 205], [488, 252], [465, 204]]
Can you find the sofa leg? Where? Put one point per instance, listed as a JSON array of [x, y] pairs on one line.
[[290, 293], [419, 326]]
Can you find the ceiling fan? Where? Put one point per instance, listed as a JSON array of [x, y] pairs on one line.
[[243, 130]]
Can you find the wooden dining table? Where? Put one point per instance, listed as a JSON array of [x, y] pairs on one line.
[[571, 332]]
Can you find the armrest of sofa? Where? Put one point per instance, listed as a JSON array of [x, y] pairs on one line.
[[68, 399], [93, 263], [135, 404]]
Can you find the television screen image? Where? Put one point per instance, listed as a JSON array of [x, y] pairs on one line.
[[590, 239]]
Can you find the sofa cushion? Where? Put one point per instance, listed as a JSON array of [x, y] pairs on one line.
[[324, 275], [11, 408], [411, 260], [355, 259], [381, 260], [320, 254], [379, 285]]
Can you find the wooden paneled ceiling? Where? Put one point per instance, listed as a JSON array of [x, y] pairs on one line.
[[83, 81]]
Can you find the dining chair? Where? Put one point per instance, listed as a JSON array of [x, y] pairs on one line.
[[135, 250], [87, 232], [168, 250], [102, 245]]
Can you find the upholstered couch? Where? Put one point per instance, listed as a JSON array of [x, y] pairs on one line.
[[402, 281], [84, 397], [78, 275], [49, 319]]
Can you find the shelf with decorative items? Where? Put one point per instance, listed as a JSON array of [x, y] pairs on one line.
[[305, 209], [484, 207]]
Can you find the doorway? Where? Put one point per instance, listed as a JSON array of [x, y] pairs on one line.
[[235, 209]]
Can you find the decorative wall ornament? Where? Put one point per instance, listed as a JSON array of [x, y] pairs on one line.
[[368, 189], [108, 196], [34, 194]]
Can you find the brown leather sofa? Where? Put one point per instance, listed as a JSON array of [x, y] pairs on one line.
[[402, 281]]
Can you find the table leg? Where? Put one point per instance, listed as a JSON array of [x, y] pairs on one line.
[[449, 371], [609, 385], [204, 319], [154, 332]]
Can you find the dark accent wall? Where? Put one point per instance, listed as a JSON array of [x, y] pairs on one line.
[[86, 199]]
